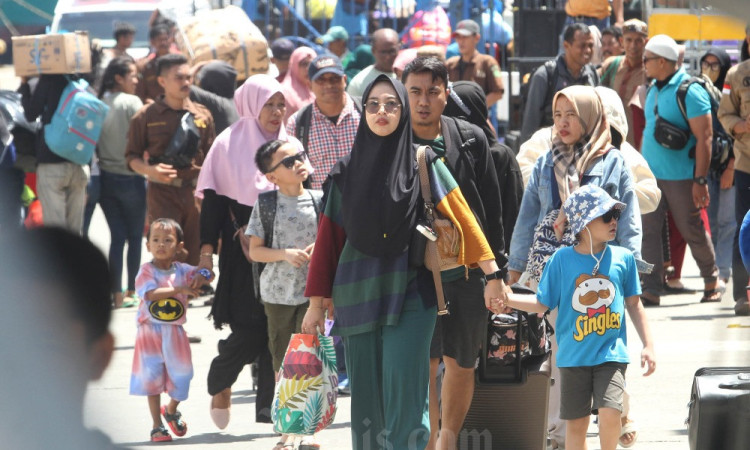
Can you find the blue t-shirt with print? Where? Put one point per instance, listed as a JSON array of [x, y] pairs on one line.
[[665, 163], [590, 328]]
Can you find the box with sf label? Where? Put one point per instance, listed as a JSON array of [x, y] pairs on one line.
[[52, 54]]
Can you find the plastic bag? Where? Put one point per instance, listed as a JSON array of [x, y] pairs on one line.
[[305, 398]]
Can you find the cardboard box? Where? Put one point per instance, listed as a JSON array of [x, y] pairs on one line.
[[52, 53], [224, 34]]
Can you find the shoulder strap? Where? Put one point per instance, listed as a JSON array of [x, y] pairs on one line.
[[551, 68], [302, 129], [267, 212], [424, 176], [465, 132], [317, 205], [682, 91]]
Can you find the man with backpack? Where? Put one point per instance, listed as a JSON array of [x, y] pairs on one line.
[[327, 126], [458, 335], [571, 67], [624, 73], [668, 138]]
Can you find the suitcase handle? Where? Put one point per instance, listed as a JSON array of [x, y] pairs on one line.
[[740, 385]]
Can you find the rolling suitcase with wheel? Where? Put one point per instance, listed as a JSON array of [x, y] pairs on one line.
[[719, 409], [511, 396]]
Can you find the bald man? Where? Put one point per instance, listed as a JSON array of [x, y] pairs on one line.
[[385, 46]]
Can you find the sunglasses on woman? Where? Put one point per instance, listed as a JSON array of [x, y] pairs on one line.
[[373, 106], [611, 214], [289, 161]]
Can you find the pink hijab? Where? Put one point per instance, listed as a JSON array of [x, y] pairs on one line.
[[229, 169], [296, 93]]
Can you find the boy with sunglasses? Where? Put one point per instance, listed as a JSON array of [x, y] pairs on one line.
[[287, 247], [591, 284]]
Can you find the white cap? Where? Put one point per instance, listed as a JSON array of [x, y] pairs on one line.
[[664, 46]]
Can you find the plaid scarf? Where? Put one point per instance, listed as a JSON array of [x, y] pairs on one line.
[[567, 160]]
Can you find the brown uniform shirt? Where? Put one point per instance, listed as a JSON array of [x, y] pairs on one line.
[[735, 108], [482, 69], [148, 86], [625, 81], [152, 128]]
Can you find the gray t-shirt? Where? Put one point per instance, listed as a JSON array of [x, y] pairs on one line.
[[114, 137], [295, 226]]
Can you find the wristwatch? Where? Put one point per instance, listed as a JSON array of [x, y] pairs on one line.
[[498, 275], [700, 180]]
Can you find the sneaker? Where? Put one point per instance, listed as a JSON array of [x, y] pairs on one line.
[[742, 308], [343, 386]]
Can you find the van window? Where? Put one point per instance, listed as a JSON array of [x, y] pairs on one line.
[[101, 25]]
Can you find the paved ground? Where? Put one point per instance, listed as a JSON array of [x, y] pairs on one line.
[[689, 335]]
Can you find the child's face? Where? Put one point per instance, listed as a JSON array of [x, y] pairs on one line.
[[289, 167], [601, 230], [163, 244]]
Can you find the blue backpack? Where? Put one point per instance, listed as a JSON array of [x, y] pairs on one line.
[[76, 124]]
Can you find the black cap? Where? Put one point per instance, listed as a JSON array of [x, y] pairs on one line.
[[325, 63], [282, 48]]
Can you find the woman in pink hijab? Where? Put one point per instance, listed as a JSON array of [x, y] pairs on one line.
[[229, 184], [296, 85]]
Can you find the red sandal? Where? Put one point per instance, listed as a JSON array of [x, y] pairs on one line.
[[175, 422], [160, 434]]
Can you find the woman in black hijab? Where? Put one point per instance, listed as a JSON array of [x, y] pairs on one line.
[[715, 64], [385, 308], [467, 101]]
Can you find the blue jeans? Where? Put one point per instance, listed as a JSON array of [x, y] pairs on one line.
[[723, 224], [741, 206], [93, 193], [123, 200]]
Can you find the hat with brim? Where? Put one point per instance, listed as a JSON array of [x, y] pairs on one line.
[[466, 28], [323, 64], [337, 33], [586, 204]]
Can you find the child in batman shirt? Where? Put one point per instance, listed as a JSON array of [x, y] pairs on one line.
[[162, 360]]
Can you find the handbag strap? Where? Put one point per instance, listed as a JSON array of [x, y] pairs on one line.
[[424, 181]]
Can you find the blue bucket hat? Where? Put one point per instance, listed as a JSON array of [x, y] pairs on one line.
[[586, 204]]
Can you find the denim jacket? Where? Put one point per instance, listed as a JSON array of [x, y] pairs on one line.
[[609, 172]]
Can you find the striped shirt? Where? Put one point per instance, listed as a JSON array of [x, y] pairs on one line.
[[369, 292], [327, 143]]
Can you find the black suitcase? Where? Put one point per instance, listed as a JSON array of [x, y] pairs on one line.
[[509, 407], [719, 409]]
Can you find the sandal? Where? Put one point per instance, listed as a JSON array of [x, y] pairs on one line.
[[309, 446], [175, 422], [130, 299], [628, 428], [708, 296], [281, 445], [160, 434], [649, 300]]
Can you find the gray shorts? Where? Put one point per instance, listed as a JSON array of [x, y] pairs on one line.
[[604, 384], [459, 334]]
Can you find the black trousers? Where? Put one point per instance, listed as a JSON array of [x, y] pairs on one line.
[[243, 346]]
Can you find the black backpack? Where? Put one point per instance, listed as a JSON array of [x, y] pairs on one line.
[[722, 143], [267, 211], [552, 75]]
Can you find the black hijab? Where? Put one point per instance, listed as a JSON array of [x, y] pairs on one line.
[[380, 185], [724, 60], [467, 101]]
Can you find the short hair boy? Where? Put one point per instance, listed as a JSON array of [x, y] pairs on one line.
[[591, 283]]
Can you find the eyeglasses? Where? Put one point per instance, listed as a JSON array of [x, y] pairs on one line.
[[613, 213], [713, 66], [647, 59], [373, 106], [289, 161]]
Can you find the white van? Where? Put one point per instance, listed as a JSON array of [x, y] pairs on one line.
[[99, 17]]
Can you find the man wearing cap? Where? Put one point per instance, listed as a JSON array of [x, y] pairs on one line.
[[734, 114], [624, 73], [327, 126], [385, 46], [680, 177], [281, 49], [474, 66], [336, 40], [594, 12], [572, 67]]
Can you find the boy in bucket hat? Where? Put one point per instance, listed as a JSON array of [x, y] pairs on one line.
[[591, 284]]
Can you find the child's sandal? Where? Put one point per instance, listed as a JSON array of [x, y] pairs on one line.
[[160, 434], [175, 422]]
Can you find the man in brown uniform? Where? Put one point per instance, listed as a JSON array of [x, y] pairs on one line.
[[624, 73], [474, 66], [170, 189], [149, 87]]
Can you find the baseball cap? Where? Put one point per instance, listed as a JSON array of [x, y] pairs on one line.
[[282, 48], [664, 46], [335, 34], [635, 26], [466, 27], [326, 63], [586, 204]]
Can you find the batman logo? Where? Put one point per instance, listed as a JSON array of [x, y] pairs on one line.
[[167, 310]]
